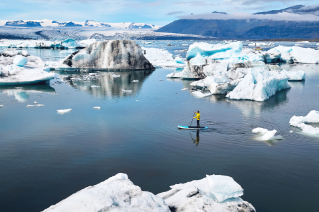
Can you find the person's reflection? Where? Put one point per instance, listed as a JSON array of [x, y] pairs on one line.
[[196, 141]]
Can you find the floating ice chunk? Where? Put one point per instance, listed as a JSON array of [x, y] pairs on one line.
[[135, 81], [95, 86], [97, 108], [295, 75], [216, 50], [160, 58], [115, 75], [127, 91], [201, 94], [179, 60], [224, 187], [1, 106], [199, 194], [260, 44], [259, 85], [35, 102], [39, 105], [70, 43], [294, 54], [117, 193], [267, 135], [304, 121], [31, 105], [184, 89], [20, 60], [64, 111]]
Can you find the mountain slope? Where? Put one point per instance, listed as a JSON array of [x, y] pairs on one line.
[[252, 28]]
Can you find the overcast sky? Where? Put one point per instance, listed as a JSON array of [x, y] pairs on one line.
[[160, 12]]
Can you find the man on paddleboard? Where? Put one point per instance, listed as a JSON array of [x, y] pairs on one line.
[[197, 117]]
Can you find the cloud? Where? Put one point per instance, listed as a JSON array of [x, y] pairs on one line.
[[175, 13], [246, 16], [196, 3], [258, 2]]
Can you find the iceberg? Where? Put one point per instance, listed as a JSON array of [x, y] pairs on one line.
[[259, 85], [97, 108], [267, 135], [213, 193], [303, 122], [218, 51], [112, 54], [70, 44], [294, 54], [295, 75], [117, 193], [63, 111], [162, 58]]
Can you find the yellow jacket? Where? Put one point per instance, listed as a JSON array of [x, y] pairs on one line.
[[197, 116]]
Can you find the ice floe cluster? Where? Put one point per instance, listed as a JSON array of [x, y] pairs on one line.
[[242, 73], [18, 67], [304, 122], [118, 193]]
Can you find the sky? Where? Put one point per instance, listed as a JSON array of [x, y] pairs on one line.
[[158, 12]]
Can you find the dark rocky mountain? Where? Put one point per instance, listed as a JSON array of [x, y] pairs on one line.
[[251, 28]]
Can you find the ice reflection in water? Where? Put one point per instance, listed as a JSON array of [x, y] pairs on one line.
[[106, 84], [21, 93]]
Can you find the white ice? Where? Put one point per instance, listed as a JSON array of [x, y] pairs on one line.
[[64, 111], [97, 108], [294, 54], [295, 75], [259, 85], [267, 135], [161, 58], [115, 194], [20, 60], [303, 122], [213, 193]]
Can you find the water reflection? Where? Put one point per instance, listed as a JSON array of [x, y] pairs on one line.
[[21, 94], [99, 84], [253, 108], [196, 141]]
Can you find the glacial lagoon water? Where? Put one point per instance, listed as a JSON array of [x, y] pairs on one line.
[[46, 156]]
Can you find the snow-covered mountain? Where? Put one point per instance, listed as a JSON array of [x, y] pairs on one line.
[[88, 23]]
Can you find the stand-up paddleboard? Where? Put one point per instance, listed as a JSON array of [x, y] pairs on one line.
[[191, 127]]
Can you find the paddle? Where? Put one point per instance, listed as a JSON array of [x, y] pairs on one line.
[[192, 119]]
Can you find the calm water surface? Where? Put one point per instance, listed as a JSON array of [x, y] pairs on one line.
[[46, 156]]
